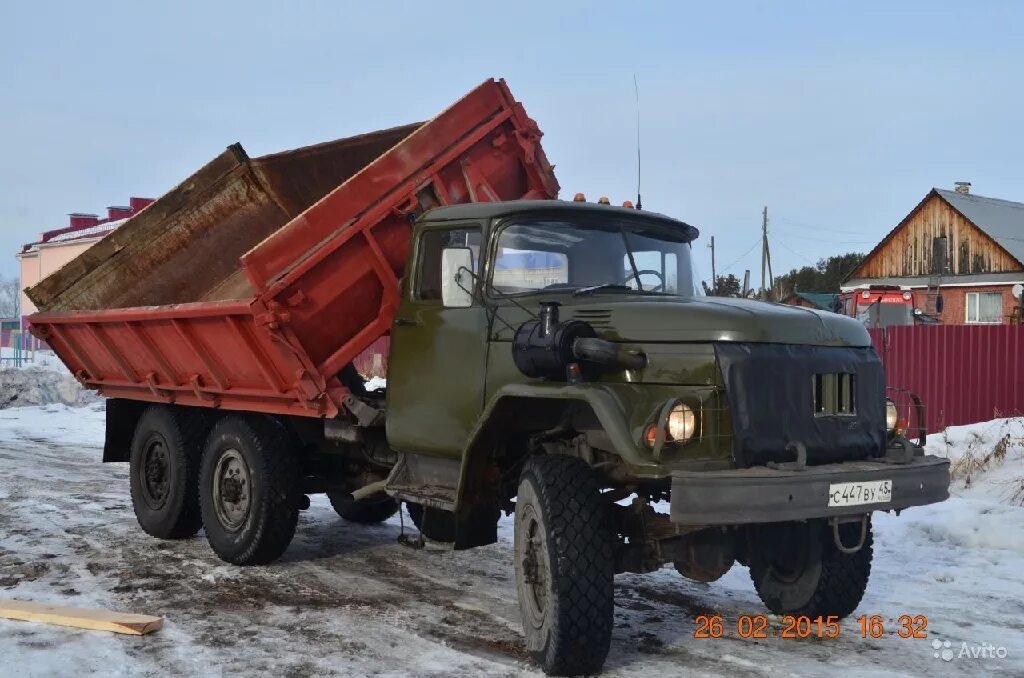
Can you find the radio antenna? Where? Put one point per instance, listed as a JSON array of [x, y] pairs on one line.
[[636, 91]]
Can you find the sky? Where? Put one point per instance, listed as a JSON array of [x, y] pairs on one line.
[[837, 116]]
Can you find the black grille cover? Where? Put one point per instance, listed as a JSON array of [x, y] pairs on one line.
[[770, 389]]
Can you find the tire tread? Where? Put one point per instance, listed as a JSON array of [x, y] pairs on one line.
[[188, 433], [843, 580], [278, 515], [582, 558]]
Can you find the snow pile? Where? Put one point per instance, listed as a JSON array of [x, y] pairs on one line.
[[41, 380], [375, 383], [35, 385], [987, 459]]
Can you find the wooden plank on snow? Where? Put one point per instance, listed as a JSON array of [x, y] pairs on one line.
[[83, 618]]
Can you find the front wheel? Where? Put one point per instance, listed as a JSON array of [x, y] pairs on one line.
[[564, 565], [248, 490], [798, 570]]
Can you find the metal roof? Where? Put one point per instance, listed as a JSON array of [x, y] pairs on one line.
[[822, 300], [1001, 220], [972, 279], [90, 232]]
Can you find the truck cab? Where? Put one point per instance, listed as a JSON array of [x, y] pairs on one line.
[[550, 355]]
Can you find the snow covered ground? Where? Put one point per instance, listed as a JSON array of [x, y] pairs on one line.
[[350, 600]]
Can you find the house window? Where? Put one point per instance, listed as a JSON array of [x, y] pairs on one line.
[[985, 307]]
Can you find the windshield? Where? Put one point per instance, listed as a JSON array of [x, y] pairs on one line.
[[627, 256]]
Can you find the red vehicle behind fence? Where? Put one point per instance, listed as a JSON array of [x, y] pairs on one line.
[[879, 306]]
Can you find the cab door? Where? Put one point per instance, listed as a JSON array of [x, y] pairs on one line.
[[437, 359]]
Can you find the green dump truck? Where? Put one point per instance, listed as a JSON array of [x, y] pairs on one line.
[[550, 359]]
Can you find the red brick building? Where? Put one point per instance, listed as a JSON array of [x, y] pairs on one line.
[[59, 246], [959, 254]]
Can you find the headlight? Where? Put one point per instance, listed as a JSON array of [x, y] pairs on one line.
[[891, 415], [682, 423]]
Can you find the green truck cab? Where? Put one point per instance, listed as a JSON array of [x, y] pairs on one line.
[[557, 360]]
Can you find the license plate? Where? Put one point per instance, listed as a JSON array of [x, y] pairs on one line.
[[855, 494]]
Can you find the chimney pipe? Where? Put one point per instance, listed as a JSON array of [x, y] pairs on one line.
[[82, 220], [962, 187], [139, 204], [115, 212]]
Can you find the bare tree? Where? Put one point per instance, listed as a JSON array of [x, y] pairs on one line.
[[9, 297]]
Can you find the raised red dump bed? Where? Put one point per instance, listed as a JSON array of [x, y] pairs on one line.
[[251, 284]]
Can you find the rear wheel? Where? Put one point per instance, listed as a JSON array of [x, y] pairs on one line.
[[248, 487], [564, 565], [164, 471], [369, 511], [797, 568]]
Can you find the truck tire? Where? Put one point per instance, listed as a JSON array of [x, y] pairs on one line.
[[564, 565], [164, 472], [248, 489], [369, 511], [797, 569]]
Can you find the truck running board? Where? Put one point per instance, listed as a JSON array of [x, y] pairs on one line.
[[430, 481]]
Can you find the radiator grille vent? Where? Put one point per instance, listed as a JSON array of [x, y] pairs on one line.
[[599, 318]]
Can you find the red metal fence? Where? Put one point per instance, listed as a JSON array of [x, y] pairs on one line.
[[963, 373]]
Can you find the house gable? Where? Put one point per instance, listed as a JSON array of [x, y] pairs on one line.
[[934, 229]]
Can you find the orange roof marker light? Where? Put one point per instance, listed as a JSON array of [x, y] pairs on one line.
[[579, 197], [628, 204]]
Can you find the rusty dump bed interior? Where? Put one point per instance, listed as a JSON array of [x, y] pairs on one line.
[[186, 246], [254, 282]]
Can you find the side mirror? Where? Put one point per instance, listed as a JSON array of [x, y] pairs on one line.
[[456, 283]]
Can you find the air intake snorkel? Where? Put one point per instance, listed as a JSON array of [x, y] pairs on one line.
[[547, 348]]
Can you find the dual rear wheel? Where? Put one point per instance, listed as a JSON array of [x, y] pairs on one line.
[[238, 480]]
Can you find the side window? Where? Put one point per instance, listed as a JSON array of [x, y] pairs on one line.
[[432, 244]]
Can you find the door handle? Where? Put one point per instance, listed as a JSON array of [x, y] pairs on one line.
[[405, 322]]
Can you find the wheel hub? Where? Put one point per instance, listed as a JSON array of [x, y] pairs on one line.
[[534, 565], [232, 489], [155, 472]]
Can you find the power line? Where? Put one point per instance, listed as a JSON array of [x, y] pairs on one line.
[[803, 224], [832, 240], [802, 256], [740, 258]]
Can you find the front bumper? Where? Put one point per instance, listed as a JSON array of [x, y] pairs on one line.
[[767, 495]]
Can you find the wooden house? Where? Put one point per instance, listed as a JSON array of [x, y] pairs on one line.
[[958, 253]]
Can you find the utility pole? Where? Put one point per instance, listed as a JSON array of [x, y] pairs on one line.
[[766, 257], [714, 277]]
